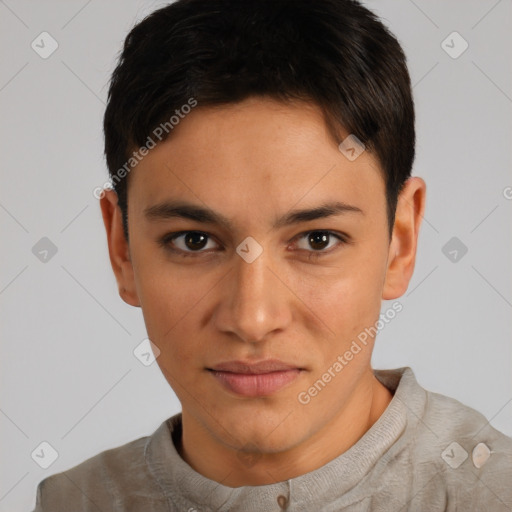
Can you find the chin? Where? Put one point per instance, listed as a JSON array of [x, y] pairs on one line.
[[258, 437]]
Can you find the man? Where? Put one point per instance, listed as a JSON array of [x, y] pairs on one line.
[[261, 154]]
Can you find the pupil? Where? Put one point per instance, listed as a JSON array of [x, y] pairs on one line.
[[195, 240], [318, 239]]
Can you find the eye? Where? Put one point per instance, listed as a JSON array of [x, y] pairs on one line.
[[318, 242], [187, 242]]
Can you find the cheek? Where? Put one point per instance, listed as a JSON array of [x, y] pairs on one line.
[[169, 305], [348, 296]]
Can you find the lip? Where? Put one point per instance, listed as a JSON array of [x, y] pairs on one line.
[[259, 379], [265, 366]]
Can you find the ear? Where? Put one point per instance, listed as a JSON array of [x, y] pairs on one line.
[[118, 247], [402, 249]]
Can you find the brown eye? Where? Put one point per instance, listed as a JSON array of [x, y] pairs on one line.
[[194, 240], [188, 242], [319, 241]]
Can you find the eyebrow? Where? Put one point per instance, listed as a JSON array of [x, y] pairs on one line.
[[171, 209]]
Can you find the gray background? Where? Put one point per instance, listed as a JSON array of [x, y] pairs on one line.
[[69, 376]]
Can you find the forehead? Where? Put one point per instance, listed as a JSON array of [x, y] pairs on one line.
[[255, 156]]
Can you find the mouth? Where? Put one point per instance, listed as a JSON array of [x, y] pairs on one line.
[[255, 379]]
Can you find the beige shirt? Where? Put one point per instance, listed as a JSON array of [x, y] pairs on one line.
[[427, 452]]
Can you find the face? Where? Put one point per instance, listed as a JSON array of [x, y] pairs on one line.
[[253, 279]]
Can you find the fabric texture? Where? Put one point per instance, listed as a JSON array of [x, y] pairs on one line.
[[427, 452]]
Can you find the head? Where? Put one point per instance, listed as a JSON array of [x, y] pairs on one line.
[[227, 118]]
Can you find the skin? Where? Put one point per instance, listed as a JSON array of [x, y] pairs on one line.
[[253, 162]]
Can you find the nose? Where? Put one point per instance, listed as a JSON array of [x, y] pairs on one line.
[[255, 302]]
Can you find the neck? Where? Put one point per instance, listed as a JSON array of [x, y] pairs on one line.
[[219, 463]]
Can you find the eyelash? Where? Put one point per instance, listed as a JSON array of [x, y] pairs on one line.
[[166, 240]]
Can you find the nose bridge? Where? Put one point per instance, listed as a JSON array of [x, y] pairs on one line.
[[255, 305]]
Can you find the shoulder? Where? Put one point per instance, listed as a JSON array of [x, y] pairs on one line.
[[102, 482], [440, 417], [448, 454], [470, 458], [453, 421]]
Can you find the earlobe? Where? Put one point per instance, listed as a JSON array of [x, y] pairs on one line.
[[404, 242], [118, 248]]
